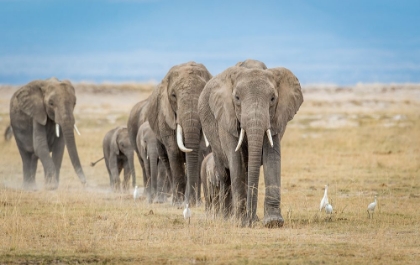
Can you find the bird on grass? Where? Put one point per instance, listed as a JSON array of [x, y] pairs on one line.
[[324, 200], [187, 213], [371, 208], [136, 193]]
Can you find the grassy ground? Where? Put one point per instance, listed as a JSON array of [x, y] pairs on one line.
[[360, 144]]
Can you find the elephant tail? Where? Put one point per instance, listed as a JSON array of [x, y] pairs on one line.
[[92, 164], [8, 133]]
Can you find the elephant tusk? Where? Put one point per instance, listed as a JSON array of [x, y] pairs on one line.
[[57, 130], [205, 140], [241, 138], [75, 127], [270, 139], [179, 140]]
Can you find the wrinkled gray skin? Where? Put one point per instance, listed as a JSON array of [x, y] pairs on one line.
[[174, 102], [157, 182], [35, 109], [119, 155], [211, 184], [136, 118], [252, 98]]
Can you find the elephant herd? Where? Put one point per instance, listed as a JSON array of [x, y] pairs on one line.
[[194, 130]]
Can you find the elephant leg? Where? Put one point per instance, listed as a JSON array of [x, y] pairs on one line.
[[161, 183], [238, 187], [42, 151], [119, 168], [143, 170], [148, 183], [111, 180], [57, 156], [225, 195], [34, 166], [127, 175], [163, 157], [272, 171], [28, 178], [176, 162]]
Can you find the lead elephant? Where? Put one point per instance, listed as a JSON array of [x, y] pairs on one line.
[[156, 183], [244, 112], [119, 155], [40, 112], [173, 116]]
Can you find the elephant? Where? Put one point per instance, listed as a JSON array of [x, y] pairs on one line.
[[136, 118], [249, 100], [211, 184], [40, 112], [157, 183], [173, 116], [119, 154]]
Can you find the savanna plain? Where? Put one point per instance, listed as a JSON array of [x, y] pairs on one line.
[[362, 140]]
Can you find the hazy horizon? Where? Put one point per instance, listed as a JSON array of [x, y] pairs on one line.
[[326, 42]]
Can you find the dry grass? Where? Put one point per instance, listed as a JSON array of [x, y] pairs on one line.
[[377, 154]]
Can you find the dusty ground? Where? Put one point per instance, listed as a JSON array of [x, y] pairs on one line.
[[363, 141]]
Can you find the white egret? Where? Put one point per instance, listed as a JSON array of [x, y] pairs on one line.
[[324, 200], [136, 193], [371, 207], [187, 213]]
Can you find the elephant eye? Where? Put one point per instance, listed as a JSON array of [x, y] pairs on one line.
[[237, 97], [173, 95], [51, 103], [273, 98]]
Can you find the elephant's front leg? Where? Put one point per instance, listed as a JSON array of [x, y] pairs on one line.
[[237, 176], [42, 151], [29, 165], [164, 159], [57, 155], [127, 175], [176, 162], [272, 171]]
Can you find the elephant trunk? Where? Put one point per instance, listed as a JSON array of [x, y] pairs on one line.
[[256, 126], [72, 149], [192, 136]]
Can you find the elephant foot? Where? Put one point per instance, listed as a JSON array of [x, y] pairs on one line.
[[273, 221], [51, 184], [29, 186]]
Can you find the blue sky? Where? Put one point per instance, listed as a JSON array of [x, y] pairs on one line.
[[333, 42]]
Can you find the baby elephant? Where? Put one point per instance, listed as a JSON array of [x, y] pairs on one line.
[[156, 181], [211, 184], [118, 154]]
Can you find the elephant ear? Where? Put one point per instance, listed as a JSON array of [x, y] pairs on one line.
[[290, 98], [31, 101], [114, 141], [159, 105], [220, 100]]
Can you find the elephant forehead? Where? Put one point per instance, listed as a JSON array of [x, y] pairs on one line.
[[255, 84]]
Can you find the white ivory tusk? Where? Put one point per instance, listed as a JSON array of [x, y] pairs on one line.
[[57, 130], [75, 127], [241, 138], [270, 139], [179, 140], [205, 140]]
